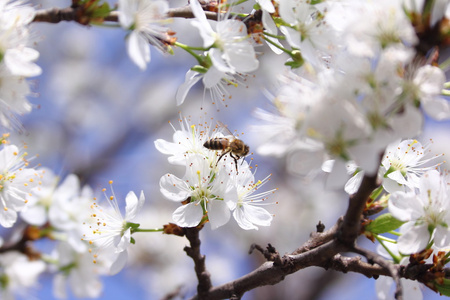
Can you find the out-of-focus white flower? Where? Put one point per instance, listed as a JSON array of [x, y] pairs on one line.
[[69, 209], [36, 210], [232, 50], [403, 165], [16, 183], [78, 272], [204, 188], [426, 87], [427, 214], [108, 231], [246, 201], [18, 274], [308, 29], [146, 19], [14, 39], [377, 26], [13, 97]]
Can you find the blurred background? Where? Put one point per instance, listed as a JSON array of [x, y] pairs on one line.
[[97, 115]]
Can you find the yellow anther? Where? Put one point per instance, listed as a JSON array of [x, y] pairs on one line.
[[110, 182]]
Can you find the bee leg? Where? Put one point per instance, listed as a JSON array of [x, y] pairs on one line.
[[235, 161], [223, 153]]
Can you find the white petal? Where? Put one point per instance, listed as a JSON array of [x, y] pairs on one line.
[[411, 289], [20, 62], [212, 77], [266, 5], [218, 213], [353, 183], [133, 205], [436, 107], [125, 241], [241, 57], [138, 49], [218, 61], [442, 237], [119, 263], [36, 215], [383, 286], [292, 36], [173, 188], [430, 79], [414, 240], [188, 215], [191, 78], [405, 206], [8, 218], [202, 24], [126, 15], [258, 215], [239, 216]]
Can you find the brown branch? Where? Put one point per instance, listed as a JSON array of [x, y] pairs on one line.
[[393, 269], [203, 276], [351, 224], [56, 15]]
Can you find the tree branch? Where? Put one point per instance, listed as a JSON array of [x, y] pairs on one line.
[[204, 278], [56, 15], [393, 270], [351, 224]]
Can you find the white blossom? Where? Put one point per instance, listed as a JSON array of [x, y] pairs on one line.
[[16, 183], [404, 163], [204, 188], [232, 51], [77, 271], [246, 200], [18, 274], [427, 214], [145, 19], [109, 232]]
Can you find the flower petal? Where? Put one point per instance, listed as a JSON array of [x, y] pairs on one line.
[[173, 188], [188, 215]]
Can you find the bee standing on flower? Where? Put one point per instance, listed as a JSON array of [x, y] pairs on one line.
[[228, 144]]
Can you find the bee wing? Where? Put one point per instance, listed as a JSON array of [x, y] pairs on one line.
[[225, 129]]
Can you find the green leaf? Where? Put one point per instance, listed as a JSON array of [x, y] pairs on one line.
[[444, 289], [384, 223], [101, 11]]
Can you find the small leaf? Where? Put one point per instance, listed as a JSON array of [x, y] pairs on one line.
[[384, 223], [444, 288]]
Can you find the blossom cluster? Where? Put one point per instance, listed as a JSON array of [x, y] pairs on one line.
[[16, 60], [362, 74], [417, 198], [354, 88], [211, 189], [49, 208], [63, 211]]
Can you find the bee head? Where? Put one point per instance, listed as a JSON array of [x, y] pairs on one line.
[[246, 150]]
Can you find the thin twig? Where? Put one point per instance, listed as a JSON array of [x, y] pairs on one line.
[[393, 269]]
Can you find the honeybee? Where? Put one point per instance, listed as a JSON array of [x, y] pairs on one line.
[[228, 144]]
